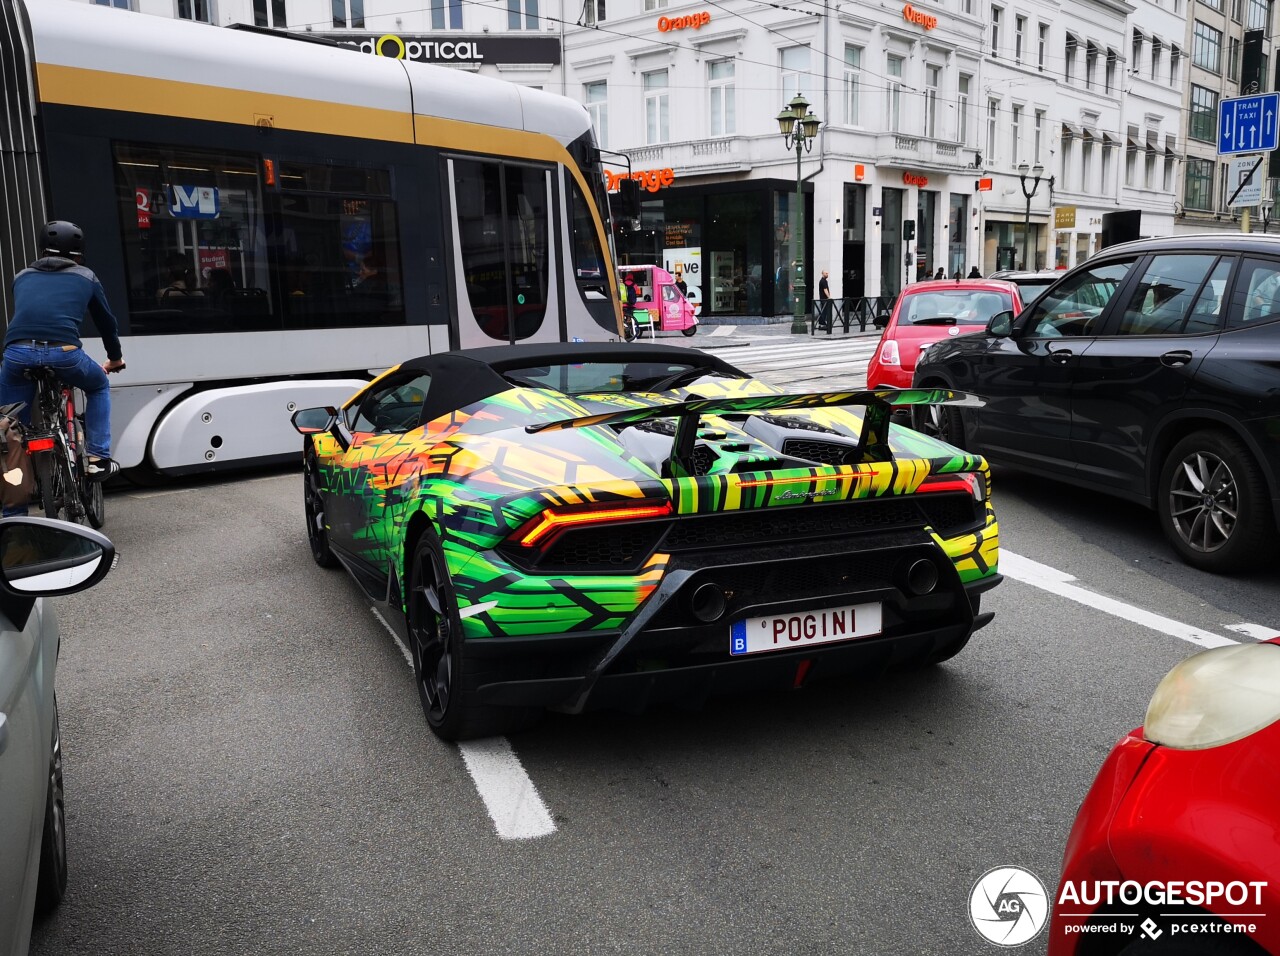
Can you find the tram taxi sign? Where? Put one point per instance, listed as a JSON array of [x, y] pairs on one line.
[[1248, 124]]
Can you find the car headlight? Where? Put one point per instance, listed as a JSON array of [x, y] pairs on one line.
[[1216, 697]]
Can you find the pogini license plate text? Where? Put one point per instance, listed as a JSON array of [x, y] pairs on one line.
[[783, 631]]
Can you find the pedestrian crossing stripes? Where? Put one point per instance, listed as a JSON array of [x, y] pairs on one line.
[[804, 364]]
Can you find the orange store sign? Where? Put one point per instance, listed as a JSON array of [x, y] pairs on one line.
[[694, 21], [914, 179], [649, 179], [912, 15]]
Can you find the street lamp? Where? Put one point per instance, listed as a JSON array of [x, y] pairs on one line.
[[1036, 171], [799, 126]]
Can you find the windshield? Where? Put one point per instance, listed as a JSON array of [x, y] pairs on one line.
[[954, 306], [593, 378], [1031, 288]]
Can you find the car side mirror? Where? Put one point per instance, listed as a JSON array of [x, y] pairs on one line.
[[43, 557], [314, 421], [1001, 325]]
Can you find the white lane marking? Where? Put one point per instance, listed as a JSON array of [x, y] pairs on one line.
[[161, 494], [1258, 632], [394, 636], [1057, 582], [509, 795]]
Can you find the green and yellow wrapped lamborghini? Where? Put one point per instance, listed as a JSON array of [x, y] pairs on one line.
[[573, 526]]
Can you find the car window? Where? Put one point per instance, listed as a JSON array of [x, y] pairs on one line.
[[1162, 300], [953, 307], [1206, 314], [1072, 307], [396, 407], [1031, 289], [588, 378], [1256, 299]]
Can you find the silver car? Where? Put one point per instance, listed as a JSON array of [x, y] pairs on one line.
[[39, 558]]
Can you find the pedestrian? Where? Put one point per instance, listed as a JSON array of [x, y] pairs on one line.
[[974, 273], [941, 273], [824, 300], [958, 276]]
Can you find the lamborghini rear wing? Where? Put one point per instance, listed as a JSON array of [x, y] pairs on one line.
[[872, 444]]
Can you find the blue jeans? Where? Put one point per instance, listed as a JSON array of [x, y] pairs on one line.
[[74, 367]]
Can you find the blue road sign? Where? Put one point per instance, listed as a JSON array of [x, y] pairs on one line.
[[1248, 124]]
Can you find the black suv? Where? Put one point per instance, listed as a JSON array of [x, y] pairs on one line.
[[1151, 372]]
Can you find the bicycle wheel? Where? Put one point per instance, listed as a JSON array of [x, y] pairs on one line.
[[91, 494], [48, 477]]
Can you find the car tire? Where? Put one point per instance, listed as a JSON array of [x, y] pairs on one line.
[[446, 676], [51, 884], [313, 510], [939, 421], [1213, 503], [690, 331]]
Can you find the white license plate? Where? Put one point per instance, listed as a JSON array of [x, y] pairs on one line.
[[784, 631]]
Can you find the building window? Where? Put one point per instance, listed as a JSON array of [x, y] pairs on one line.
[[1236, 6], [1067, 139], [967, 6], [993, 110], [1212, 4], [932, 77], [1039, 133], [1149, 177], [1233, 59], [1015, 134], [1112, 56], [995, 30], [1086, 165], [1170, 154], [267, 13], [893, 106], [594, 12], [657, 119], [1107, 148], [852, 85], [1135, 63], [596, 97], [202, 10], [1156, 50], [794, 63], [723, 105], [1042, 46], [1069, 58], [654, 4], [1206, 48], [1199, 186], [1204, 114], [1256, 14], [454, 11], [522, 15], [1131, 156], [962, 108], [118, 4], [1175, 64], [1019, 33], [346, 13], [1090, 66]]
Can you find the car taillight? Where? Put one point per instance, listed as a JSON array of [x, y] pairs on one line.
[[39, 444], [540, 528], [971, 482], [889, 353]]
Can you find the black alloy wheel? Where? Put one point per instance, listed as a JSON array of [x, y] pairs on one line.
[[313, 510], [51, 884], [446, 678], [1213, 503], [938, 421]]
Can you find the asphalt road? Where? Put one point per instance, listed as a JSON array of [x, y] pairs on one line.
[[248, 769]]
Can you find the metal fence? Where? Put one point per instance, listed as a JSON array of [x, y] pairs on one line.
[[826, 314]]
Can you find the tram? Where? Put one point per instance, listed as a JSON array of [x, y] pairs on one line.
[[275, 219]]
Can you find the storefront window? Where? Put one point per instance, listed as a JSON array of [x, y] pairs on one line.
[[926, 230], [783, 252], [853, 276], [891, 249], [957, 231], [734, 277]]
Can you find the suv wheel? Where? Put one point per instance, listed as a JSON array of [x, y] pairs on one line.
[[1213, 503]]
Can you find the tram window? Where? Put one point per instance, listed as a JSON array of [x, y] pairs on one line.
[[502, 212], [588, 260], [341, 262], [194, 240], [325, 178]]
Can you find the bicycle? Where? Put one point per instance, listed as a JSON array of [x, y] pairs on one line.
[[59, 454]]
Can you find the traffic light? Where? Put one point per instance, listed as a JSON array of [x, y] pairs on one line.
[[908, 229]]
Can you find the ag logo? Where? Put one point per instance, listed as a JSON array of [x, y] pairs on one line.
[[1008, 906]]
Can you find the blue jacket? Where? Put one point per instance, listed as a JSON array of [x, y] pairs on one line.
[[50, 299]]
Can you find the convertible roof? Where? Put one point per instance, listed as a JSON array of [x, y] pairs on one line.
[[471, 375]]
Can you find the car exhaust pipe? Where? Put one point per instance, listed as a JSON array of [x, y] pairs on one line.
[[921, 577], [708, 603]]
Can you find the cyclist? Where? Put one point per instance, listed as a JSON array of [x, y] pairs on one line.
[[50, 298]]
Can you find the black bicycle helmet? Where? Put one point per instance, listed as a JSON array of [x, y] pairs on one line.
[[60, 238]]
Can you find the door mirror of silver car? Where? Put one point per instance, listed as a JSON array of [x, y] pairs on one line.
[[314, 421], [44, 557], [1001, 325]]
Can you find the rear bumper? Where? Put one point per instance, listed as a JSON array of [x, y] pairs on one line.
[[663, 653]]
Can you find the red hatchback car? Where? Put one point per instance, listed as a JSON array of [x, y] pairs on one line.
[[928, 312], [1176, 848]]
